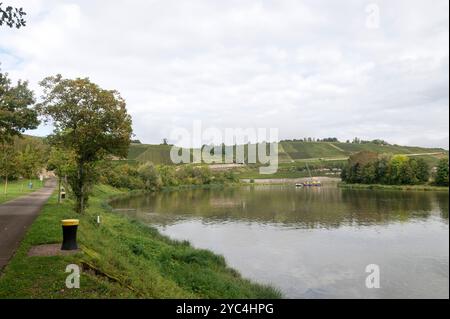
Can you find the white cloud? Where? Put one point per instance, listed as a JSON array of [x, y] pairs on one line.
[[310, 68]]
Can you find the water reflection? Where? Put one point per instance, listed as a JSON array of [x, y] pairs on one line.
[[328, 207], [314, 243]]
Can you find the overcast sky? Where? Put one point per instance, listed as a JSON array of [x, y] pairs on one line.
[[309, 68]]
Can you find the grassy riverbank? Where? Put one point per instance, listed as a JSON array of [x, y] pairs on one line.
[[121, 258], [17, 189], [394, 187]]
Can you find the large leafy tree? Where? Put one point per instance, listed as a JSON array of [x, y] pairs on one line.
[[421, 170], [400, 171], [370, 168], [11, 16], [89, 121], [15, 113], [441, 177]]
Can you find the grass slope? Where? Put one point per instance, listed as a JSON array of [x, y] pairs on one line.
[[293, 151], [125, 259]]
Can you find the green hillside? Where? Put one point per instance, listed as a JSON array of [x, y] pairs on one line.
[[288, 151], [304, 150], [293, 151]]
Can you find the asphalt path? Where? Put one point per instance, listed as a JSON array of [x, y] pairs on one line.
[[16, 216]]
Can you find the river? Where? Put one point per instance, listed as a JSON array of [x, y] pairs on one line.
[[314, 242]]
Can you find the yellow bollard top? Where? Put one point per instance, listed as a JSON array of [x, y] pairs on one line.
[[70, 222]]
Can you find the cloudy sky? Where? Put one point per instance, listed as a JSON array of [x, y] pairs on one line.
[[372, 69]]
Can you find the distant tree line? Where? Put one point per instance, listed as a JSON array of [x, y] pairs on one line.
[[356, 140], [91, 125], [313, 139], [21, 159], [371, 168], [150, 177], [18, 158]]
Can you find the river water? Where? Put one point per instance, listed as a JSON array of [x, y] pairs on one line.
[[314, 242]]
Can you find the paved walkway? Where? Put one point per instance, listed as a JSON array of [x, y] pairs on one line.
[[15, 218]]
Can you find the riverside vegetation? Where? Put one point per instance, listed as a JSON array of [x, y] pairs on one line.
[[120, 258], [395, 172]]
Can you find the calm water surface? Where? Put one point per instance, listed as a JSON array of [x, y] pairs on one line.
[[317, 242]]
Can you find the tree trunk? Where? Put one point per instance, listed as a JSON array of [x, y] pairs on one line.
[[65, 183], [6, 184], [80, 195], [59, 190]]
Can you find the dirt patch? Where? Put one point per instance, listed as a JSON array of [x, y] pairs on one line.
[[50, 250], [224, 167]]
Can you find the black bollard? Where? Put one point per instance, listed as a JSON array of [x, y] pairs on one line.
[[69, 227]]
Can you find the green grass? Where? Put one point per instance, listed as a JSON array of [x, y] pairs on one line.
[[302, 150], [296, 169], [385, 149], [17, 189], [131, 260], [157, 154], [395, 187]]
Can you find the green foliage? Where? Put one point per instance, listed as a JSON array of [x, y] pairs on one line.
[[15, 114], [61, 161], [400, 171], [441, 177], [167, 174], [142, 262], [30, 161], [122, 176], [8, 161], [24, 157], [193, 175], [150, 177], [370, 168], [89, 121], [421, 169]]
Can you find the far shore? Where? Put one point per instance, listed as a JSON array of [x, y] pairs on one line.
[[338, 182], [323, 179], [395, 187]]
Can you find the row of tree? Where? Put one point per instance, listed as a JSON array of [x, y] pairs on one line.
[[90, 125], [356, 140], [26, 162], [150, 177], [313, 139], [371, 168]]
